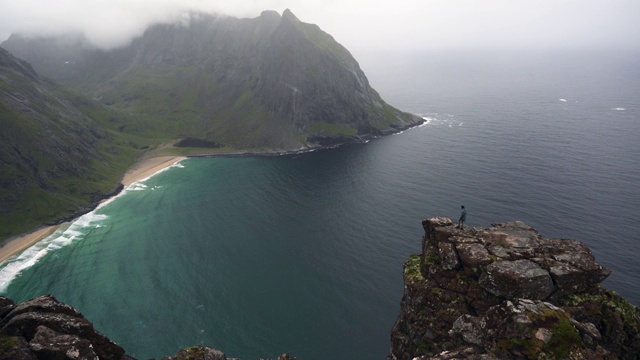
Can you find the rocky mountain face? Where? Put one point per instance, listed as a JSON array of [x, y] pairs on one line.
[[271, 81], [55, 156], [505, 292]]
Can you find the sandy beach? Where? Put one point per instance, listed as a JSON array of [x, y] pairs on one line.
[[147, 167], [21, 243], [141, 170]]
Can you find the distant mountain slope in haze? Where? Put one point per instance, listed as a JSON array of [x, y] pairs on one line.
[[267, 82], [55, 157]]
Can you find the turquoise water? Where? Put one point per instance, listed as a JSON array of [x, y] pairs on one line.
[[303, 253]]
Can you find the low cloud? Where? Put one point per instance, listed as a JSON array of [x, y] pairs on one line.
[[357, 24]]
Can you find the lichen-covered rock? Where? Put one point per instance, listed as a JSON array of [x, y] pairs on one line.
[[6, 305], [51, 344], [505, 292], [15, 348], [515, 279], [473, 254], [617, 321], [448, 256], [198, 353], [529, 329], [44, 328]]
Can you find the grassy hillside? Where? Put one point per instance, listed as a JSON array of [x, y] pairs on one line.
[[59, 151], [271, 83], [267, 82]]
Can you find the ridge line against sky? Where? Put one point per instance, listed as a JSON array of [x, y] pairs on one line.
[[358, 24]]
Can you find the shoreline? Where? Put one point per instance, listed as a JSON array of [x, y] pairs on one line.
[[147, 167], [16, 245], [139, 171]]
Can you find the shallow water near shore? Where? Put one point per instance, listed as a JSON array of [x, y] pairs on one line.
[[303, 253]]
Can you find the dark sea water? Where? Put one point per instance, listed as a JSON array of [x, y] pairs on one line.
[[303, 253]]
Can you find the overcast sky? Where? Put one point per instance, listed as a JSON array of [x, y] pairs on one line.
[[360, 25]]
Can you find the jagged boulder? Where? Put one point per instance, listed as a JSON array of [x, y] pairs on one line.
[[527, 328], [513, 260], [505, 292], [518, 278], [44, 328], [197, 353]]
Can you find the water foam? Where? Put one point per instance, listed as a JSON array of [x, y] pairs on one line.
[[427, 121], [62, 237], [138, 185], [65, 235], [434, 120]]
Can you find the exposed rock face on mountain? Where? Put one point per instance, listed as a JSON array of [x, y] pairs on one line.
[[272, 81], [55, 157], [505, 292]]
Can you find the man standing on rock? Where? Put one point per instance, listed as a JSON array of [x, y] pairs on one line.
[[463, 218]]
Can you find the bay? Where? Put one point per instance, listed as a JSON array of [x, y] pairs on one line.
[[303, 253]]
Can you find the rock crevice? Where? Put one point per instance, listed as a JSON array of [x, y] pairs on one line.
[[506, 292]]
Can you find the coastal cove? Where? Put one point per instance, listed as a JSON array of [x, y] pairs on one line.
[[303, 253], [145, 168], [140, 171]]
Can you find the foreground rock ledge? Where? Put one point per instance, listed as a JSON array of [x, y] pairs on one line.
[[505, 292], [44, 328]]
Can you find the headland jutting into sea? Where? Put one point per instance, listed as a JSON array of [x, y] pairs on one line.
[[148, 166]]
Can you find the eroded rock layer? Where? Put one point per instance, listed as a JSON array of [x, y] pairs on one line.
[[505, 292]]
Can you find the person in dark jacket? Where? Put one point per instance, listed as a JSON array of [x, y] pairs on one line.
[[463, 217]]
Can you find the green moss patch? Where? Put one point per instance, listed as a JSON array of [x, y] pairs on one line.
[[412, 271]]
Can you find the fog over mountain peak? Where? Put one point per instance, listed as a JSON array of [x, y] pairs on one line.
[[379, 24]]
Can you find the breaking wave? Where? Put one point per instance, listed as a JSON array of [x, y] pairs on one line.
[[62, 237], [65, 235]]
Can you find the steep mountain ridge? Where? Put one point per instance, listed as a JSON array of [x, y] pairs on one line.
[[55, 158], [272, 81]]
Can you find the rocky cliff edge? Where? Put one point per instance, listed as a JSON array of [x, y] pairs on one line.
[[505, 292], [502, 292]]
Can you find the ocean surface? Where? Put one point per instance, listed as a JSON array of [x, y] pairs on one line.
[[303, 253]]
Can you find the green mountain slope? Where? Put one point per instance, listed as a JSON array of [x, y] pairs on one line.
[[268, 82], [56, 154]]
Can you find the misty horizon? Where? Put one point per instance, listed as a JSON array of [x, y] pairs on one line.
[[360, 27]]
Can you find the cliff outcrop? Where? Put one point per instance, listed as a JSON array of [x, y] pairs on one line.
[[44, 328], [502, 292], [505, 292]]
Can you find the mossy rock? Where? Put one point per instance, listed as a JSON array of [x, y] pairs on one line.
[[14, 348], [412, 269]]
